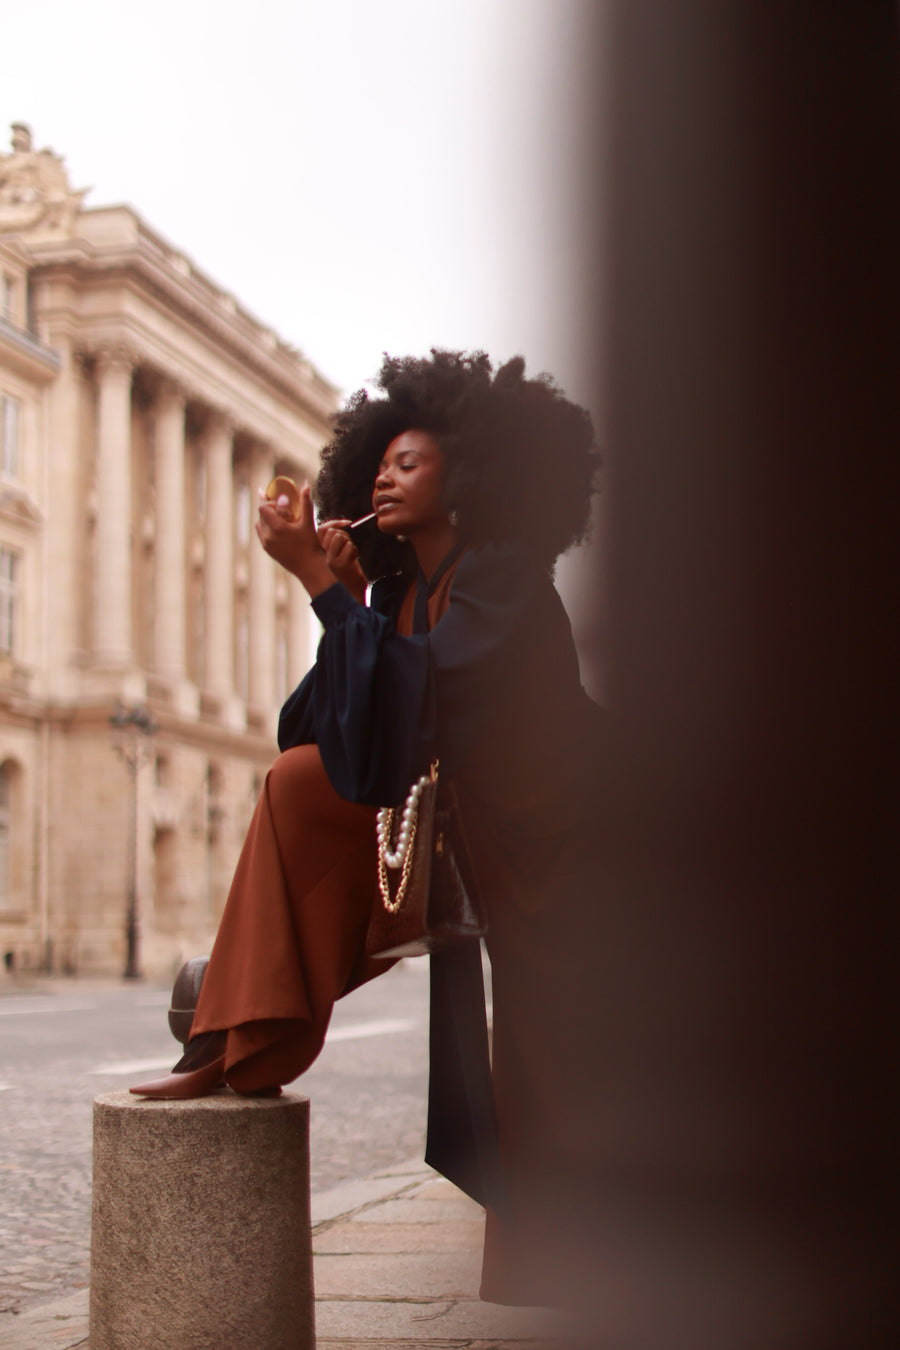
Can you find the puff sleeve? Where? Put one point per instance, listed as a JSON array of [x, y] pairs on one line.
[[380, 705]]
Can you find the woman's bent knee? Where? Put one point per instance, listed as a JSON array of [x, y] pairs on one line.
[[298, 769], [297, 782]]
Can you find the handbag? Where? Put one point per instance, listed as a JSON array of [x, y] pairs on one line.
[[427, 890]]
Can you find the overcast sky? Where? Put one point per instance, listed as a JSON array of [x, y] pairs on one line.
[[363, 176]]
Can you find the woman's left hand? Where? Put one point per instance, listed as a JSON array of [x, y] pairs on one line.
[[294, 543]]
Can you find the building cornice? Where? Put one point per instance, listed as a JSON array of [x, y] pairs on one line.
[[284, 422], [200, 734], [18, 506], [143, 259], [26, 354]]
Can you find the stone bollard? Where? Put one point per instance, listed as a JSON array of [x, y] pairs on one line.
[[200, 1234]]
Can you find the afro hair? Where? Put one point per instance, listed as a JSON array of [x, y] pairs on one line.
[[520, 461]]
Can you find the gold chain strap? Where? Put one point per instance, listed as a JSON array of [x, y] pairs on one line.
[[383, 883]]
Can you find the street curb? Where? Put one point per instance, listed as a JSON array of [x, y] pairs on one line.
[[60, 1325]]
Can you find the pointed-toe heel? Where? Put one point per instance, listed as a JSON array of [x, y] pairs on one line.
[[198, 1073], [181, 1086]]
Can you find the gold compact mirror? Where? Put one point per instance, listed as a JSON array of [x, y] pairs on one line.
[[285, 487]]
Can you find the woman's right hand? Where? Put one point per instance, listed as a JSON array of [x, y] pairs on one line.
[[294, 543], [342, 557]]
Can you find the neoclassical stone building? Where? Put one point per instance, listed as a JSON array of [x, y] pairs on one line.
[[141, 409]]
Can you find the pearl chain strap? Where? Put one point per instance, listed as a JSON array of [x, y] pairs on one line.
[[384, 826], [399, 858]]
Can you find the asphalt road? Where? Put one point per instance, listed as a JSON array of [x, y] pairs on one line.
[[63, 1042]]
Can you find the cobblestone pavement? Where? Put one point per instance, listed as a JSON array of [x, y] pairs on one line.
[[45, 1163], [367, 1094]]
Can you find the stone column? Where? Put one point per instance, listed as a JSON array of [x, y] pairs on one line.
[[219, 578], [303, 633], [112, 582], [69, 616], [169, 579], [262, 603]]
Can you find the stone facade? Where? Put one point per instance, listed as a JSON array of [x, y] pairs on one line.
[[141, 409]]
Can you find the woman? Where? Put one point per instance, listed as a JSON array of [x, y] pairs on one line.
[[478, 481]]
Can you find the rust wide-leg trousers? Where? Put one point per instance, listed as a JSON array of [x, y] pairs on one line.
[[292, 941], [292, 936]]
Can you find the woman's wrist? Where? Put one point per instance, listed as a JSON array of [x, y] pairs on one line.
[[356, 590], [314, 574], [332, 607]]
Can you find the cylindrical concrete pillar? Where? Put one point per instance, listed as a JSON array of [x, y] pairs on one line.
[[201, 1232]]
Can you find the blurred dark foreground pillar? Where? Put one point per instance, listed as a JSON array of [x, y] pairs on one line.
[[742, 1145]]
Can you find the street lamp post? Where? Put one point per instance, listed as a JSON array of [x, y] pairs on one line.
[[132, 729]]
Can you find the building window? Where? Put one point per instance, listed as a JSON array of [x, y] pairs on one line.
[[243, 513], [281, 663], [4, 835], [8, 599], [214, 808], [6, 298], [198, 637], [242, 657], [9, 437], [200, 481]]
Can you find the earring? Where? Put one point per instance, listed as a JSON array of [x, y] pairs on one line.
[[401, 538], [454, 518]]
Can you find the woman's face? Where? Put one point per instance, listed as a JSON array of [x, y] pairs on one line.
[[407, 493]]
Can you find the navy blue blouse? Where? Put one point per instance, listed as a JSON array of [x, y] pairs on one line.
[[498, 670]]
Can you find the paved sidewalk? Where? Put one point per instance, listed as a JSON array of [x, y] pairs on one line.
[[397, 1263]]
